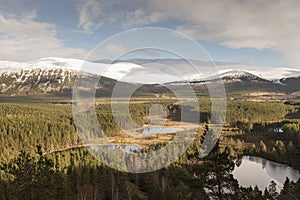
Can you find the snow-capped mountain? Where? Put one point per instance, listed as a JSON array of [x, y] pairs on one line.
[[118, 70], [230, 75], [114, 71], [57, 75], [236, 72], [42, 81]]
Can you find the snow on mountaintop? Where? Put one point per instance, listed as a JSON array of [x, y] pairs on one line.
[[235, 71], [119, 70], [114, 71], [268, 73], [44, 63]]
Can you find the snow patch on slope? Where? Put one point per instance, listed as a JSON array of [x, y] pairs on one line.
[[268, 73], [115, 71], [143, 74]]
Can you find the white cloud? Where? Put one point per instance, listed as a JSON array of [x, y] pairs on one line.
[[116, 49], [228, 38], [31, 15], [142, 17], [257, 24], [94, 14], [89, 12], [24, 28], [119, 51], [25, 39], [268, 24]]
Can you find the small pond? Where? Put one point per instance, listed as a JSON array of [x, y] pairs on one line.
[[161, 130], [126, 148]]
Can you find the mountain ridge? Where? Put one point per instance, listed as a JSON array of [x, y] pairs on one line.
[[77, 65], [57, 75]]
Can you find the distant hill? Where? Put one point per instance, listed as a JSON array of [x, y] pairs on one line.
[[57, 76]]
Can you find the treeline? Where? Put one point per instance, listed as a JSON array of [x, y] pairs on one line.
[[257, 112], [278, 141], [23, 126], [76, 174]]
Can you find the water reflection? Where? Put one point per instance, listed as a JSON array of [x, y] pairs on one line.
[[259, 171]]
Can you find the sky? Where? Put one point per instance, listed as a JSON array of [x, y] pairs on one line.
[[256, 32]]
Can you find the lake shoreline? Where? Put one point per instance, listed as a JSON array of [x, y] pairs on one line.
[[257, 171]]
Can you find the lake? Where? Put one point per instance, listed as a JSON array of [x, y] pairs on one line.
[[161, 130], [126, 148], [259, 171]]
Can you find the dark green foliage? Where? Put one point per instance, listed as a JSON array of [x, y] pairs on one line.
[[44, 172]]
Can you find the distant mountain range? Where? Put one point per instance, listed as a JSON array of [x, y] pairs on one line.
[[57, 75]]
